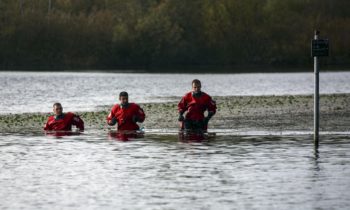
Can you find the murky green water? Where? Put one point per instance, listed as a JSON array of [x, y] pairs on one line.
[[162, 171]]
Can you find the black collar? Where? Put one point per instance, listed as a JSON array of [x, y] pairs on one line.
[[59, 117], [196, 95], [125, 106]]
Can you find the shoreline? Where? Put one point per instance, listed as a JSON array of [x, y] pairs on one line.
[[240, 113]]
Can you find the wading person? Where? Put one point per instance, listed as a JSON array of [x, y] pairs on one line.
[[63, 121], [126, 115], [196, 103]]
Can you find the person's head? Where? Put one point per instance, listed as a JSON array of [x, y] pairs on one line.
[[57, 109], [196, 86], [123, 97]]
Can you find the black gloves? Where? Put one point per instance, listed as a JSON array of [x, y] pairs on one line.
[[135, 119], [207, 118], [181, 117], [210, 114], [113, 121]]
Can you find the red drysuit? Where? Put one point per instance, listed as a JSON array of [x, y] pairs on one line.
[[196, 106], [64, 123], [126, 117]]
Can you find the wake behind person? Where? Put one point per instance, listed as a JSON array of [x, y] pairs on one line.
[[63, 121], [195, 103], [126, 115]]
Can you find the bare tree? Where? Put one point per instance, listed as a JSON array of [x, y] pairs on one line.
[[21, 6], [49, 9]]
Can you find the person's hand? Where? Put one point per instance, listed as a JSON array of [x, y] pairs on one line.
[[135, 119], [206, 120], [181, 118], [113, 121], [210, 115]]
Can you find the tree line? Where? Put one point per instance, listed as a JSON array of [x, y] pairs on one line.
[[150, 34]]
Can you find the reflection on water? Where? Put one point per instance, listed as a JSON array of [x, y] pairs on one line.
[[93, 170], [62, 133], [124, 135]]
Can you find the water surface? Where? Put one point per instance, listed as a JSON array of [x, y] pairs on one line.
[[23, 92], [161, 171]]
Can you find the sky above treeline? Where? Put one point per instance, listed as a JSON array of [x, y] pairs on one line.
[[170, 34]]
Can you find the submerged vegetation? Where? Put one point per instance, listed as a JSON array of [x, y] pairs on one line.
[[148, 34]]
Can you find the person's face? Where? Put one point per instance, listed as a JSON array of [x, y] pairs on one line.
[[58, 110], [123, 99], [196, 87]]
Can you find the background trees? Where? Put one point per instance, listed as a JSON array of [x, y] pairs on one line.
[[111, 34]]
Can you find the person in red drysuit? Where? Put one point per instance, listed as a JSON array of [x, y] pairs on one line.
[[126, 114], [196, 103], [63, 121]]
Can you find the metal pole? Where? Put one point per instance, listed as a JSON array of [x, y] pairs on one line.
[[316, 98]]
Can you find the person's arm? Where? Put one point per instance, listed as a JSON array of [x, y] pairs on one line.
[[211, 109], [139, 116], [182, 107], [77, 121], [47, 125], [111, 120]]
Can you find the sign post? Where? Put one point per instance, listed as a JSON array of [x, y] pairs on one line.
[[319, 47]]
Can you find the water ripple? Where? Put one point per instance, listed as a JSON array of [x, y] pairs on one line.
[[160, 172]]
